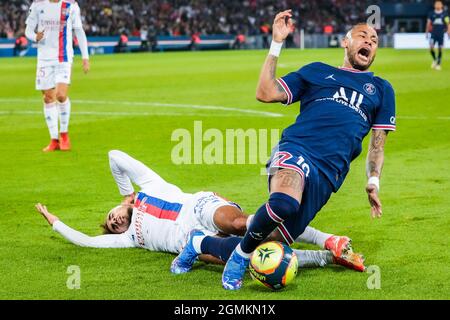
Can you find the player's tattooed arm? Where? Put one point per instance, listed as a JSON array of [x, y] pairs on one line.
[[269, 90], [375, 160], [375, 156]]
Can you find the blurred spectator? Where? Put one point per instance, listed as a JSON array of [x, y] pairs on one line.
[[265, 32], [144, 38], [122, 45], [21, 46], [195, 41], [239, 41]]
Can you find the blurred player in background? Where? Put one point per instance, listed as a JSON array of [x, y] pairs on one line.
[[438, 24], [339, 107], [51, 23]]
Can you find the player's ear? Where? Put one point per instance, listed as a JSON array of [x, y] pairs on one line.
[[344, 42]]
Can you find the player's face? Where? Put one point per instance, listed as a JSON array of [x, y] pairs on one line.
[[118, 219], [361, 47], [438, 6]]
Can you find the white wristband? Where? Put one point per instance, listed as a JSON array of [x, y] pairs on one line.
[[375, 181], [275, 48]]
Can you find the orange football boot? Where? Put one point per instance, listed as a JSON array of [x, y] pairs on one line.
[[341, 248], [53, 146], [65, 142]]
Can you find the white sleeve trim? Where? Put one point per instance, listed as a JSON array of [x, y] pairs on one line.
[[389, 127], [287, 90]]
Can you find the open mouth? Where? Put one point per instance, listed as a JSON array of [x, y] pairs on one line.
[[364, 54]]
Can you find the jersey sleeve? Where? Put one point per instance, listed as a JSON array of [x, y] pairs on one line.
[[32, 18], [125, 170], [77, 23], [385, 115], [293, 84], [104, 241]]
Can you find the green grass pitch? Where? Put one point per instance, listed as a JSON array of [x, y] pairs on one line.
[[120, 105]]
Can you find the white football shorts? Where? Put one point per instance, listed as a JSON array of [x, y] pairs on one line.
[[47, 76], [200, 212]]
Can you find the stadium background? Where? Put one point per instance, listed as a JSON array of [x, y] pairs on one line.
[[214, 24], [133, 102]]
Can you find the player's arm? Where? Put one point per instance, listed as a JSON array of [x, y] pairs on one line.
[[447, 21], [269, 89], [126, 170], [82, 240], [82, 39], [428, 27], [374, 166], [31, 25]]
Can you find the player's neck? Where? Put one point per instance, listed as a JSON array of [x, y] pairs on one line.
[[348, 66], [439, 11]]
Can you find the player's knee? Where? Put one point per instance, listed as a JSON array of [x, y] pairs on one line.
[[61, 97], [283, 205], [48, 97], [238, 225]]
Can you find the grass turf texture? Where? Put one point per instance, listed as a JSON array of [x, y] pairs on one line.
[[409, 244]]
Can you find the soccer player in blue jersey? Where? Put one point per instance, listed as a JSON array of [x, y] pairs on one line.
[[438, 24], [339, 106]]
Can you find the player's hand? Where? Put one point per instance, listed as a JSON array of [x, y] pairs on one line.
[[39, 36], [128, 200], [282, 26], [374, 200], [86, 66], [47, 215]]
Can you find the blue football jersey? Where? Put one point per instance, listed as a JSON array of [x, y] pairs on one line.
[[338, 108], [439, 22]]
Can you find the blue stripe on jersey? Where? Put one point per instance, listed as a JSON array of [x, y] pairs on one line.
[[66, 18], [159, 203]]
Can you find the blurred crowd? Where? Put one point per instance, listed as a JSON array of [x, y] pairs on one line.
[[183, 17]]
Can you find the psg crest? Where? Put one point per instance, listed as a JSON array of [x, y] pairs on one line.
[[370, 88]]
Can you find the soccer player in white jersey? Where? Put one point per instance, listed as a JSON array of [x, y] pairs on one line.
[[51, 24], [161, 217]]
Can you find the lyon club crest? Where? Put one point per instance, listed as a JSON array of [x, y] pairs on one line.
[[370, 88]]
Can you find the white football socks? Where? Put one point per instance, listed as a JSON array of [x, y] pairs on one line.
[[64, 115], [197, 243], [313, 258], [51, 117], [313, 236]]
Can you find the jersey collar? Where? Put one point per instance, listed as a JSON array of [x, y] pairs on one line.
[[353, 70]]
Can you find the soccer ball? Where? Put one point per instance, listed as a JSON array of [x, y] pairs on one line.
[[273, 264]]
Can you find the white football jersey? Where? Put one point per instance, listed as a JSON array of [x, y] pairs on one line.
[[57, 20], [163, 215], [155, 224]]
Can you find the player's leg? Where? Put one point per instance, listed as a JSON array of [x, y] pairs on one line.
[[284, 202], [217, 250], [62, 78], [51, 118], [230, 220], [433, 53], [45, 82], [218, 215], [439, 57]]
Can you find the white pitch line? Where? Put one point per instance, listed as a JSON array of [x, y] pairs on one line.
[[156, 104], [100, 113]]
